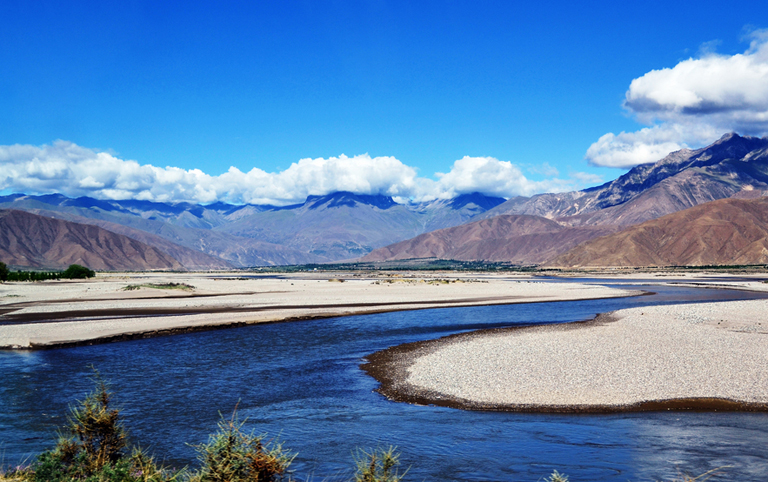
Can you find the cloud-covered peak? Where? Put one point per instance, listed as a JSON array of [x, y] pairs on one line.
[[67, 168], [691, 104]]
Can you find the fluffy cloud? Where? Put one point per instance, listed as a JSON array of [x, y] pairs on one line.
[[77, 171], [690, 104], [73, 170], [490, 176]]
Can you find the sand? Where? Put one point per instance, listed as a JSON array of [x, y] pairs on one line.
[[701, 356], [65, 313]]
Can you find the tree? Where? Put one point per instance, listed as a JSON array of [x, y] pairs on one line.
[[3, 271], [75, 271]]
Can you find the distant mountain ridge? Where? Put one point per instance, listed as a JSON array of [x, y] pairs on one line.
[[336, 226], [344, 225]]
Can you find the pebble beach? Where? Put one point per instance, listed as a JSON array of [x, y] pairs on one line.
[[707, 356]]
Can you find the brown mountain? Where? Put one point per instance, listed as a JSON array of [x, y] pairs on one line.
[[29, 240], [723, 232], [518, 239]]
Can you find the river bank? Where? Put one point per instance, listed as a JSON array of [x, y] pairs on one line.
[[116, 307], [690, 356]]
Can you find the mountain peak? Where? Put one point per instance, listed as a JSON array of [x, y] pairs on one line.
[[479, 199], [346, 198]]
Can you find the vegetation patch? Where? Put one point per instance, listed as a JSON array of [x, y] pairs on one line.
[[160, 286], [74, 271]]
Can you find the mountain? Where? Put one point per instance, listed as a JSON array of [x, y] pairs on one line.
[[344, 225], [333, 227], [520, 239], [32, 241], [732, 167], [723, 232], [681, 180], [189, 258]]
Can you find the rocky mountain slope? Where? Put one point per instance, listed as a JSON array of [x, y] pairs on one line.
[[32, 241], [519, 239], [723, 232], [681, 180]]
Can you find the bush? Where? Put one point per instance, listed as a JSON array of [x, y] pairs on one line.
[[75, 271], [378, 466], [234, 456], [3, 271], [93, 448]]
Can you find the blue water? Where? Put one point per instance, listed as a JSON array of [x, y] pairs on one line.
[[301, 381]]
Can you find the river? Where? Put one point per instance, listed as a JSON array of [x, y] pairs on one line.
[[301, 381]]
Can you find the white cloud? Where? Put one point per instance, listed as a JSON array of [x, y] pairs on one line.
[[692, 103], [77, 171], [494, 177], [73, 170]]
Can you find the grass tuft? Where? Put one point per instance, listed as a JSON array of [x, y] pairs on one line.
[[378, 465], [160, 286]]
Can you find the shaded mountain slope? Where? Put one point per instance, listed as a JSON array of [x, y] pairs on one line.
[[189, 258], [681, 180], [518, 239], [723, 232], [34, 241]]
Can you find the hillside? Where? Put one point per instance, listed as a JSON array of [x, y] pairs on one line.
[[518, 239], [723, 232], [32, 241]]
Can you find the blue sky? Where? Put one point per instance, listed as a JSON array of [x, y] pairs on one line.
[[517, 89]]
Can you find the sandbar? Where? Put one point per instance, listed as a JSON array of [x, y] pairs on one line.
[[69, 313]]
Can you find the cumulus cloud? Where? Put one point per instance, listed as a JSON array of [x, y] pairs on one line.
[[67, 168], [693, 103], [77, 171]]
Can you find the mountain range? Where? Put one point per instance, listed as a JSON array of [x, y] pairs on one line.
[[337, 226], [582, 228], [732, 167]]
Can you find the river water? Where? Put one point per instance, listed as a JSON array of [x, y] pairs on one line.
[[301, 381]]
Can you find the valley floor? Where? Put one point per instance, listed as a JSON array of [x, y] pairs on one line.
[[114, 307], [687, 356]]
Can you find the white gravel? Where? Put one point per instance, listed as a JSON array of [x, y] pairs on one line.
[[709, 350]]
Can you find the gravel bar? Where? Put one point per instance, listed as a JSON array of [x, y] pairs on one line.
[[710, 356]]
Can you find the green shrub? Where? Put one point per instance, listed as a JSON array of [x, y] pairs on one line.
[[75, 271], [232, 455], [93, 448], [3, 271], [378, 466]]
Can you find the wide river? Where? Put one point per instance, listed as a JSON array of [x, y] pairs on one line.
[[302, 381]]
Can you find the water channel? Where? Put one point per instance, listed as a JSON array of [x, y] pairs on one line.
[[301, 381]]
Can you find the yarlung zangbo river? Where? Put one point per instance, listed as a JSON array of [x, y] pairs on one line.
[[301, 381]]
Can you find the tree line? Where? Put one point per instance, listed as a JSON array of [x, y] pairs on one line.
[[74, 271]]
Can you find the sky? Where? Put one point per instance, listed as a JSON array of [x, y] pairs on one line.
[[268, 102]]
